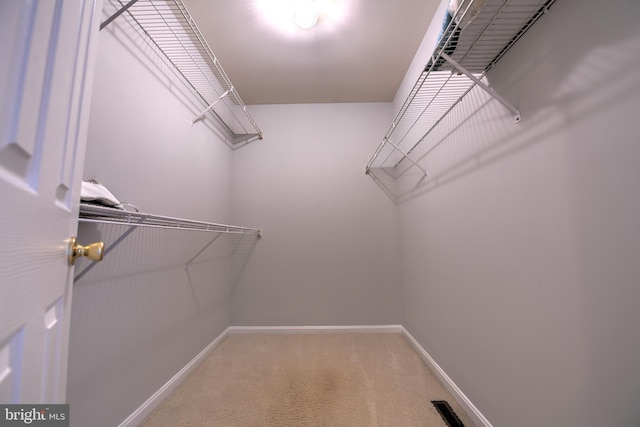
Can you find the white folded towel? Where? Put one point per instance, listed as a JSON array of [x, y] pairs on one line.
[[93, 191]]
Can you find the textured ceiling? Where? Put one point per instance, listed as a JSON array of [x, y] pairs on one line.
[[358, 54]]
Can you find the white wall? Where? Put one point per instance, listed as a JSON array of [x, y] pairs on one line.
[[520, 255], [138, 317], [328, 255], [517, 258]]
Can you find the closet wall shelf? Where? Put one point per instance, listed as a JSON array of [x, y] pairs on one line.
[[104, 215], [170, 28], [471, 43]]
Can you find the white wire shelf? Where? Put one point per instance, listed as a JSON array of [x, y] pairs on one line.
[[171, 29], [458, 64], [105, 215], [133, 220]]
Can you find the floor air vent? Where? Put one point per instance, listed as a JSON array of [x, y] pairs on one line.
[[447, 413]]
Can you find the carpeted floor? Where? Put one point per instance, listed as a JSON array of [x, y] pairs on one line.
[[308, 380]]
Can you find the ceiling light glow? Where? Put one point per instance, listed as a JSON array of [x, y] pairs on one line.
[[305, 13], [294, 17]]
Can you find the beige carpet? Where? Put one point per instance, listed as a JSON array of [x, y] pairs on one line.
[[308, 380]]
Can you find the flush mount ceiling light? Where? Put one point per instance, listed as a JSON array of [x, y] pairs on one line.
[[291, 16], [305, 13]]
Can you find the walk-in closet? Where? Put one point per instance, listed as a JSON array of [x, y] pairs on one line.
[[430, 217]]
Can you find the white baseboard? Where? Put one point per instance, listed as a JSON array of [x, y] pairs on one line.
[[150, 404], [455, 391], [378, 329]]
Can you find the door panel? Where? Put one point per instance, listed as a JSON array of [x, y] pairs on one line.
[[45, 88], [53, 332], [16, 32], [10, 356]]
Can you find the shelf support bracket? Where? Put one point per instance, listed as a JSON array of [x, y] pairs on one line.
[[486, 88], [118, 13], [211, 106], [406, 156]]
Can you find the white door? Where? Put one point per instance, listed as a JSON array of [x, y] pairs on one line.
[[46, 60]]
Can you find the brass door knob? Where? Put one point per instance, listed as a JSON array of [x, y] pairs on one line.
[[94, 251]]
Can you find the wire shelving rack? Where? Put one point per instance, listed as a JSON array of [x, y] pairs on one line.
[[172, 30]]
